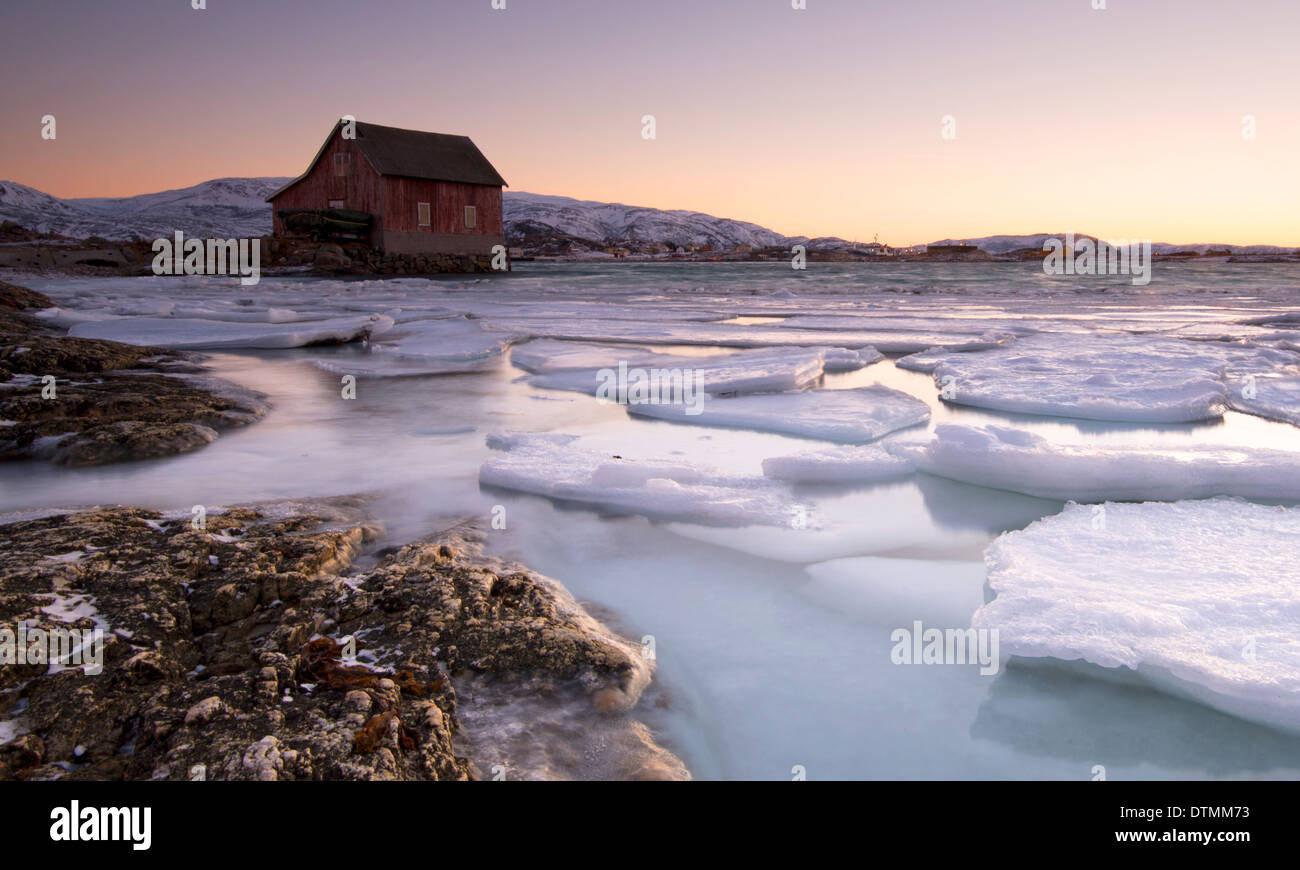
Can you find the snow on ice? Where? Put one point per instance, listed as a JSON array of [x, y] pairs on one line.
[[853, 416], [1200, 598], [552, 465], [1100, 377], [1002, 457]]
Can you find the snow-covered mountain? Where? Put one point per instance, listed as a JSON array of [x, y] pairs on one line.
[[533, 214], [236, 208], [1005, 244], [221, 208]]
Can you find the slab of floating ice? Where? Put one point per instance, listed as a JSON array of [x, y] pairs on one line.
[[646, 331], [843, 359], [553, 466], [866, 464], [427, 347], [925, 361], [546, 356], [242, 314], [749, 371], [65, 318], [191, 333], [1119, 378], [1013, 459], [1201, 598], [850, 416], [1277, 398]]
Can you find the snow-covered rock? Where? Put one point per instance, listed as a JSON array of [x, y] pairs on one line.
[[1200, 598], [1001, 457], [850, 416]]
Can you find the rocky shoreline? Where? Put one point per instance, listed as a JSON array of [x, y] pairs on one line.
[[226, 654], [293, 256], [275, 641], [81, 402]]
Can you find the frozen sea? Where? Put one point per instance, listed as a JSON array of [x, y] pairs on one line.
[[771, 601]]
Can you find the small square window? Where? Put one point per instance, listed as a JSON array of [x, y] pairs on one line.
[[422, 210], [342, 163], [471, 216], [336, 203]]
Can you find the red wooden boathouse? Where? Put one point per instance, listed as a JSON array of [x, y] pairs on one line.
[[428, 193]]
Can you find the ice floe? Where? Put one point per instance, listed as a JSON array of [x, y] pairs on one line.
[[853, 416], [1002, 457], [427, 347], [1277, 398], [184, 333], [1117, 378], [866, 464], [1200, 598], [749, 371], [554, 466]]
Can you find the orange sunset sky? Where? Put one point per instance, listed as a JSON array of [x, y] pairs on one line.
[[1123, 122]]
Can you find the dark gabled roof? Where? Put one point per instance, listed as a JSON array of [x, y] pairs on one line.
[[415, 154], [435, 156]]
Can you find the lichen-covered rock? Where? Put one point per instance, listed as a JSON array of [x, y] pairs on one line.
[[81, 401], [279, 659]]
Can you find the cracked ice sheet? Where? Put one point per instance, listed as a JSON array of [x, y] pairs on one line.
[[555, 466], [1116, 378], [1001, 457], [1274, 398], [1200, 598], [427, 347], [182, 333], [853, 416]]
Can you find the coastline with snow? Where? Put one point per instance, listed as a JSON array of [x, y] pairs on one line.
[[874, 446]]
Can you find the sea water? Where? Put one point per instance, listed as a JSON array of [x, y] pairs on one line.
[[773, 644]]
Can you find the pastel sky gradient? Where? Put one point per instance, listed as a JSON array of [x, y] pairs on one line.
[[1125, 122]]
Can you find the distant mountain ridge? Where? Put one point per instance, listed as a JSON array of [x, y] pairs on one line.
[[236, 208], [220, 208], [1007, 244]]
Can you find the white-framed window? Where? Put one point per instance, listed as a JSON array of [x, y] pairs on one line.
[[471, 216], [422, 214], [336, 203], [342, 163]]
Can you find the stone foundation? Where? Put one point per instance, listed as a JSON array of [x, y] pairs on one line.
[[359, 258]]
